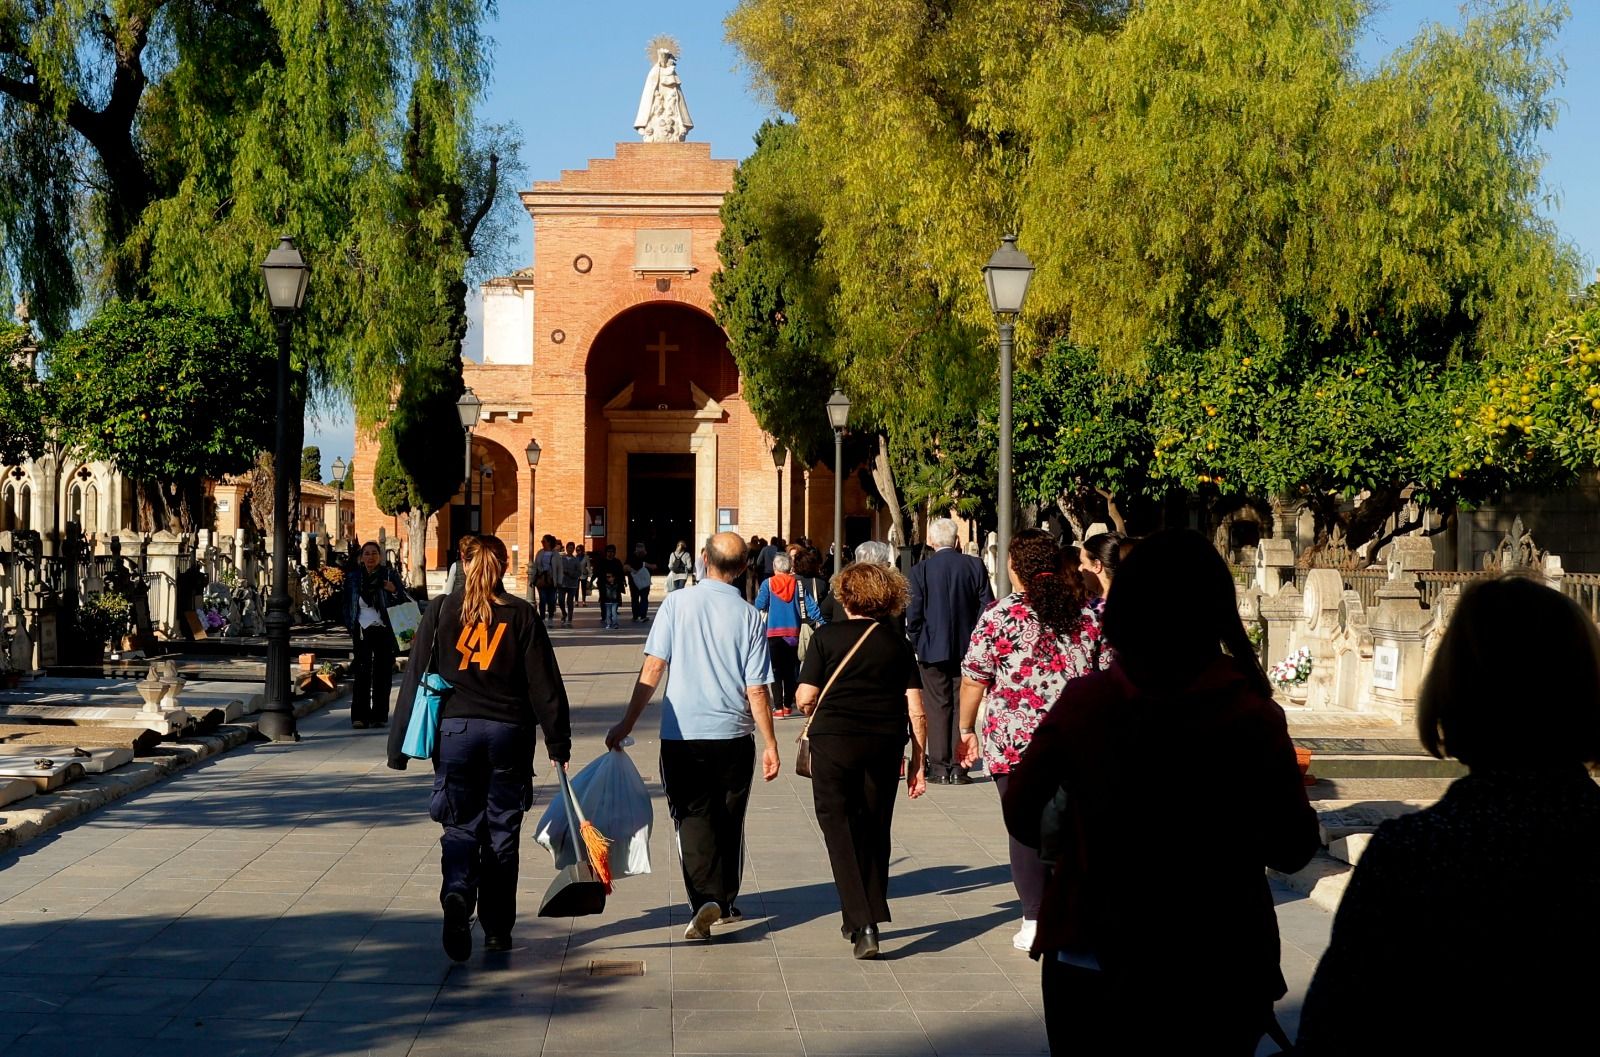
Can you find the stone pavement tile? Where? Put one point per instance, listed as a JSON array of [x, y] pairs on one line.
[[513, 1026], [854, 1001], [616, 1031], [903, 1022], [91, 1025], [372, 1004], [151, 996], [771, 980], [376, 1039], [214, 1033], [775, 1043], [155, 959], [284, 964], [763, 1001], [982, 1034], [698, 1020], [252, 1000], [968, 1001], [866, 1044], [26, 994]]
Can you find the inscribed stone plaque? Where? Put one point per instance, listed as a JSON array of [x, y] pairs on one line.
[[663, 250], [1386, 667]]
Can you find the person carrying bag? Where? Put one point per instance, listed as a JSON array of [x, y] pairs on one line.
[[852, 748], [504, 686]]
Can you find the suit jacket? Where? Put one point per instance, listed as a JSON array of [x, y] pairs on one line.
[[949, 591]]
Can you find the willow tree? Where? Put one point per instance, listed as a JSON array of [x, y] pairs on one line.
[[159, 147]]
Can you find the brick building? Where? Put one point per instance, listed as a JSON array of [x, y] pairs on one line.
[[606, 351]]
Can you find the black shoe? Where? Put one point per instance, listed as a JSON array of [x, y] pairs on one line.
[[457, 934], [959, 778], [500, 942], [866, 943], [848, 933], [359, 724], [733, 914]]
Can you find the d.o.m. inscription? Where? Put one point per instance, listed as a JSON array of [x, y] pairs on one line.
[[663, 250]]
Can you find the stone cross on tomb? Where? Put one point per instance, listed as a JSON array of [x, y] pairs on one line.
[[661, 348]]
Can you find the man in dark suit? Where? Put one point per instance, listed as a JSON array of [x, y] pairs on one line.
[[948, 593]]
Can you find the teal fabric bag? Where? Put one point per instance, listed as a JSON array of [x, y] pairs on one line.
[[422, 733]]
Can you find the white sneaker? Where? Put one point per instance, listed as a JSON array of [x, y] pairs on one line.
[[1023, 940], [700, 925]]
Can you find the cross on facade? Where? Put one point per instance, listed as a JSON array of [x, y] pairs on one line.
[[662, 348]]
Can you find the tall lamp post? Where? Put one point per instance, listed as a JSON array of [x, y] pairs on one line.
[[779, 457], [1007, 276], [286, 276], [468, 406], [532, 451], [838, 418], [340, 468]]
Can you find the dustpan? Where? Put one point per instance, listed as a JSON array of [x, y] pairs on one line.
[[577, 890]]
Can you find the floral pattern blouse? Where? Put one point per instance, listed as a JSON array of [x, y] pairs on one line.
[[1026, 667]]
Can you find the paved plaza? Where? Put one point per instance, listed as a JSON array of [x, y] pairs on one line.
[[283, 900]]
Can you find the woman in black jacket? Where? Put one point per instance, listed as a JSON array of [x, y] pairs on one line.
[[504, 684], [1471, 926], [370, 588]]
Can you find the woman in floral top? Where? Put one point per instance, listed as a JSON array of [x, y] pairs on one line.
[[1024, 651]]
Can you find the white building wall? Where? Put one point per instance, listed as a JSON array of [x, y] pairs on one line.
[[507, 323]]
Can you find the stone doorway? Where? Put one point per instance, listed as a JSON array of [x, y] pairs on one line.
[[660, 503]]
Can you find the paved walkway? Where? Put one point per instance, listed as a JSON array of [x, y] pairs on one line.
[[283, 900]]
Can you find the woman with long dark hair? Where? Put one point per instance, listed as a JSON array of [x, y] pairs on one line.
[[494, 652], [1098, 559], [371, 587], [1470, 927], [1025, 650], [1126, 963]]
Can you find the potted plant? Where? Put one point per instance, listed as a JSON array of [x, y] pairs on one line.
[[101, 618], [327, 676], [1291, 674]]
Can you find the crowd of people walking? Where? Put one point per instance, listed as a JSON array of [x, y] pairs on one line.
[[1065, 691]]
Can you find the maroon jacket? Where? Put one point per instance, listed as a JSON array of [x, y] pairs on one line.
[[1177, 803]]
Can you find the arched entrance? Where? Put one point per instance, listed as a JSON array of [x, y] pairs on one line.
[[488, 502], [655, 378]]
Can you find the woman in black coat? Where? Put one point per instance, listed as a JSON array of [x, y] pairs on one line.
[[1472, 926], [371, 587]]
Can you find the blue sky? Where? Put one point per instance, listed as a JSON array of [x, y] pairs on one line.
[[569, 74]]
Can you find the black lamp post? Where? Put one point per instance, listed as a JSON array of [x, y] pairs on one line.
[[286, 276], [468, 407], [838, 418], [339, 470], [532, 451], [779, 457], [1007, 276]]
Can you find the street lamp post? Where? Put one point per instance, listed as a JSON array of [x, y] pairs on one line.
[[1007, 276], [532, 451], [468, 407], [339, 470], [286, 276], [838, 418], [779, 456]]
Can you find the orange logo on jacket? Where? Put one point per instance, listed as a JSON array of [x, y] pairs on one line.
[[476, 647]]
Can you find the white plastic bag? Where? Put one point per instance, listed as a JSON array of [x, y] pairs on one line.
[[614, 797]]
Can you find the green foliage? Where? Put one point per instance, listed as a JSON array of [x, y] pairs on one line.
[[21, 399], [165, 390], [104, 617], [1277, 270], [311, 463], [161, 146], [391, 489]]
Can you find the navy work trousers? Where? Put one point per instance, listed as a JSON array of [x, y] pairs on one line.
[[482, 784]]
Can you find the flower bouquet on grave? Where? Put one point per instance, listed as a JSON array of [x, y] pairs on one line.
[[1291, 674]]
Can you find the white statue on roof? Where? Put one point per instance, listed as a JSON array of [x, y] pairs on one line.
[[663, 116]]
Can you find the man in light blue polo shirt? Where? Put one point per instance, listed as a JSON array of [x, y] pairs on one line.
[[716, 647]]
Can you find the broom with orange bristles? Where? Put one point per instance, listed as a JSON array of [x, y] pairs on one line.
[[596, 844]]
